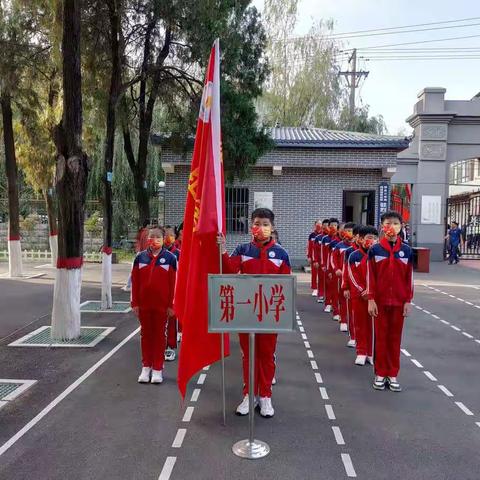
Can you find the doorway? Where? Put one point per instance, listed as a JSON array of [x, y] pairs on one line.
[[359, 206]]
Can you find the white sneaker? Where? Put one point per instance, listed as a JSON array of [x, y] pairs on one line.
[[157, 376], [179, 337], [266, 407], [351, 343], [328, 309], [343, 327], [314, 293], [320, 300], [170, 355], [360, 360], [126, 288], [145, 375], [336, 318], [274, 381], [243, 408], [370, 360]]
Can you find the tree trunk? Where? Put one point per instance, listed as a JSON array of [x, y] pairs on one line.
[[71, 183], [52, 226], [115, 84], [14, 246]]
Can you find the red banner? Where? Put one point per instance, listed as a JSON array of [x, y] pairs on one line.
[[204, 218]]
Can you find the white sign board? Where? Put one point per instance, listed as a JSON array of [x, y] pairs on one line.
[[431, 209], [263, 200], [251, 303]]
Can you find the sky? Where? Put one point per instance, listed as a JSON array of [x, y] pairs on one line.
[[391, 87]]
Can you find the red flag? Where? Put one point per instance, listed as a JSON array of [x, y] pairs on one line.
[[204, 218]]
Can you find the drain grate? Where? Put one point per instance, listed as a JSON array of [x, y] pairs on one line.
[[10, 389], [89, 337], [92, 306]]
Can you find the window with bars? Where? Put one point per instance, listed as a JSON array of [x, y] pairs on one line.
[[236, 203]]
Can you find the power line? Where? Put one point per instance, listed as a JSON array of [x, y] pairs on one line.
[[379, 59], [413, 43], [409, 26]]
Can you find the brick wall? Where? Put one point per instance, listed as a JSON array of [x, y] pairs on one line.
[[300, 195]]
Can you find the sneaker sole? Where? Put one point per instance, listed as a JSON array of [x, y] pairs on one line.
[[396, 390], [266, 416], [376, 387]]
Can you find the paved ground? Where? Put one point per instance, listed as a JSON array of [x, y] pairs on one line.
[[329, 422]]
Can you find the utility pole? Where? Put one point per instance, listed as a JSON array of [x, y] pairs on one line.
[[353, 79]]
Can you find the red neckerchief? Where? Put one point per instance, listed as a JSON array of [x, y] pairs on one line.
[[150, 253], [261, 245], [388, 246]]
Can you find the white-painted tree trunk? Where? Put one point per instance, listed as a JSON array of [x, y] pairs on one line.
[[53, 240], [66, 304], [15, 268], [106, 281]]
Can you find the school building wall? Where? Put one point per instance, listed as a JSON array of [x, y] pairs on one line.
[[300, 194]]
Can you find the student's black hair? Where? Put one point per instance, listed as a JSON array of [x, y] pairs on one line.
[[349, 225], [326, 220], [391, 214], [145, 224], [157, 227], [169, 227], [334, 220], [263, 213], [356, 229], [455, 222], [367, 230]]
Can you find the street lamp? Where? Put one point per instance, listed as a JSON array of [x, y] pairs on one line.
[[161, 201]]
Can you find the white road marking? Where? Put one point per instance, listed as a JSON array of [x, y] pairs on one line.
[[323, 393], [310, 355], [207, 368], [330, 412], [460, 299], [195, 395], [338, 436], [347, 463], [467, 335], [201, 379], [314, 365], [445, 390], [478, 341], [455, 328], [177, 443], [430, 376], [445, 293], [468, 303], [299, 322], [318, 378], [418, 308], [301, 329], [435, 316], [304, 336], [445, 322], [427, 312], [307, 344], [478, 424], [167, 468], [188, 414], [64, 394], [416, 363], [477, 306], [450, 295], [464, 409], [405, 353]]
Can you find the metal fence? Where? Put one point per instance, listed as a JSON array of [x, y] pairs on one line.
[[465, 210]]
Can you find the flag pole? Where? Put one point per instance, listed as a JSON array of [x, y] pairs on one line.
[[222, 347]]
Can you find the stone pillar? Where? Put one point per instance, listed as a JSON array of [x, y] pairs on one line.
[[430, 190]]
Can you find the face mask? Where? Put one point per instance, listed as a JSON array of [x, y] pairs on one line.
[[326, 230], [155, 243], [333, 231], [169, 240], [368, 243], [318, 228], [347, 235], [261, 233], [391, 230]]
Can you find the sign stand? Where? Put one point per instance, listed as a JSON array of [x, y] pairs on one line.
[[222, 347], [251, 448]]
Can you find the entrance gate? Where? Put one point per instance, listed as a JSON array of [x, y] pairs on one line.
[[465, 209]]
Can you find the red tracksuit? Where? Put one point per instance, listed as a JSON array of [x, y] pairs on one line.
[[153, 286], [317, 255], [356, 268], [332, 280], [172, 321], [311, 258], [345, 286], [390, 284], [337, 261], [255, 258]]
